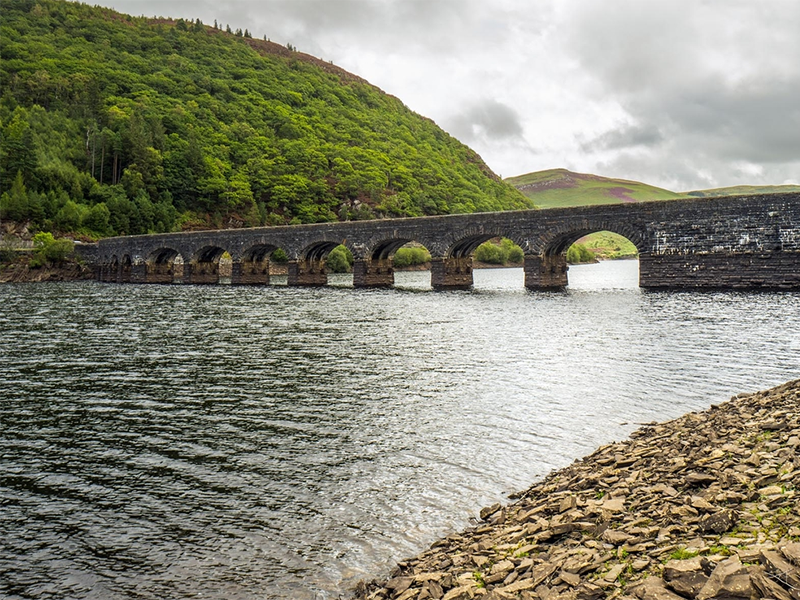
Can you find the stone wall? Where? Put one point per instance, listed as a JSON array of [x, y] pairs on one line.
[[764, 270]]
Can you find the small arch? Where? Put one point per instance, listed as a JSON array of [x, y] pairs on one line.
[[465, 247], [258, 252], [205, 265], [254, 266], [317, 251], [111, 270], [161, 256], [208, 254], [160, 265]]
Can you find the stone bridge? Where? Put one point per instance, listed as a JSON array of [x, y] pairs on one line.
[[729, 242]]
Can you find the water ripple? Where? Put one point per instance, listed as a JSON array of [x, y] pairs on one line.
[[281, 442]]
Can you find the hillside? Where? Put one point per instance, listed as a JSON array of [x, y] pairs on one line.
[[744, 190], [558, 188], [114, 124]]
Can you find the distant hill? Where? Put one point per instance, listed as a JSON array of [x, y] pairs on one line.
[[113, 124], [558, 188], [555, 188], [743, 190]]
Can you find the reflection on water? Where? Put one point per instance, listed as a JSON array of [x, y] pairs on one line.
[[173, 441]]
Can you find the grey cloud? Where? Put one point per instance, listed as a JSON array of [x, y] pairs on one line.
[[488, 120], [718, 79], [626, 136]]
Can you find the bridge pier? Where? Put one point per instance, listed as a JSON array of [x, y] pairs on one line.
[[125, 273], [373, 273], [201, 273], [546, 272], [139, 273], [159, 273], [307, 273], [451, 273], [250, 272]]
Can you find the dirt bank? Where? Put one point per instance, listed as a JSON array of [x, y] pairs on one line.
[[701, 507]]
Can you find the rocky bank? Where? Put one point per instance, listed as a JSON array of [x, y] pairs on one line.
[[20, 272], [702, 507]]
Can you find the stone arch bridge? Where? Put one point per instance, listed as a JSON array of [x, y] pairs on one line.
[[729, 242]]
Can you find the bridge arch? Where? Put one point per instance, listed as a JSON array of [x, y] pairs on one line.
[[125, 269], [309, 267], [160, 265], [203, 268], [251, 267], [109, 270], [559, 240], [548, 268]]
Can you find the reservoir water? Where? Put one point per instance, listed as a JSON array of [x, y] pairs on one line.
[[227, 442]]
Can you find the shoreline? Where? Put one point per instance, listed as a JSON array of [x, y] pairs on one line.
[[703, 506], [21, 273]]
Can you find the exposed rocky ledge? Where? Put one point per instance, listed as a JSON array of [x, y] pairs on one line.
[[20, 273], [701, 507]]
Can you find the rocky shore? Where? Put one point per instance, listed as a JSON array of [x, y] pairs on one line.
[[703, 507], [20, 272]]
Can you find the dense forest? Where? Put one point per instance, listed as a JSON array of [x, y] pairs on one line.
[[114, 124]]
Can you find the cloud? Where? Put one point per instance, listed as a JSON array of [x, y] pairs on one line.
[[488, 120], [717, 80], [625, 136]]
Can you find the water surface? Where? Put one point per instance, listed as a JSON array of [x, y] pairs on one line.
[[228, 442]]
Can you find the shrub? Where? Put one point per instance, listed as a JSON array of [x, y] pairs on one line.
[[407, 257], [491, 253], [578, 253], [500, 253], [279, 256], [49, 249], [340, 260], [514, 253]]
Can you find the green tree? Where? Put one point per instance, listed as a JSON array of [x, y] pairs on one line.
[[14, 205], [97, 219]]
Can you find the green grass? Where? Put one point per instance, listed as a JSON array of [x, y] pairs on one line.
[[744, 190], [607, 245], [560, 188]]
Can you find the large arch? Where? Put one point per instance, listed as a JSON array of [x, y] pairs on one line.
[[548, 269]]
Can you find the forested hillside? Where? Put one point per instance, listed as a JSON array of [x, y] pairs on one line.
[[121, 125]]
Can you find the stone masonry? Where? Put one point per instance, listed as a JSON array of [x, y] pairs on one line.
[[730, 242]]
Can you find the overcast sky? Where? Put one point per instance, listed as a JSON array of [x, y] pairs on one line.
[[684, 94]]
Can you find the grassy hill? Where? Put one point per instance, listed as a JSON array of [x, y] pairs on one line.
[[112, 124], [558, 188], [744, 190]]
